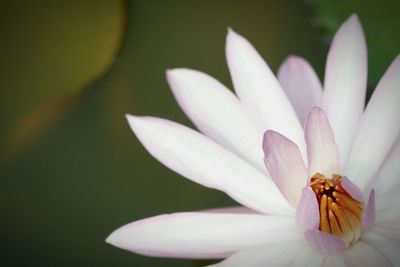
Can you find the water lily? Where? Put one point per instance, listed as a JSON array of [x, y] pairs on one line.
[[317, 175]]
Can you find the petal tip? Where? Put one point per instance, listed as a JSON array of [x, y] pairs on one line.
[[269, 137], [114, 239], [171, 73], [231, 32], [353, 20], [233, 37], [352, 26], [354, 17], [168, 72], [317, 110], [290, 59], [315, 114], [132, 118]]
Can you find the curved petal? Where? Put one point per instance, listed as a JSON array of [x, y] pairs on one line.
[[387, 207], [389, 229], [301, 85], [201, 160], [368, 219], [352, 189], [387, 181], [217, 113], [322, 151], [385, 245], [307, 257], [387, 184], [325, 244], [201, 235], [307, 213], [379, 129], [233, 209], [336, 261], [362, 254], [346, 82], [278, 254], [259, 90], [285, 165]]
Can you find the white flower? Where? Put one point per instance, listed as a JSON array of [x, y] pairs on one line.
[[293, 213]]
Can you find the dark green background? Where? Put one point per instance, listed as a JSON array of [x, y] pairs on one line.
[[71, 170]]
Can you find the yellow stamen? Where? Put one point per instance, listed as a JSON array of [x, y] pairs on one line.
[[335, 228], [340, 214], [324, 224]]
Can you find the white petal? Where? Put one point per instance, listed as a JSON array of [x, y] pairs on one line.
[[217, 113], [322, 151], [202, 235], [336, 261], [234, 209], [307, 257], [387, 207], [346, 82], [362, 254], [201, 160], [389, 229], [301, 85], [259, 90], [386, 245], [278, 254], [379, 128], [285, 164], [387, 182]]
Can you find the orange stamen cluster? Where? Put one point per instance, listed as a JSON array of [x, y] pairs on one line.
[[340, 214]]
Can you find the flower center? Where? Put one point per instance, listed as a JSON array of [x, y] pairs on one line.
[[340, 214]]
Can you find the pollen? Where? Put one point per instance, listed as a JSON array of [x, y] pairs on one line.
[[340, 214]]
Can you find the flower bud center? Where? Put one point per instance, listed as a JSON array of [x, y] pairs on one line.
[[340, 214]]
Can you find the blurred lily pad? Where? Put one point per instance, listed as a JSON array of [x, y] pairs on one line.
[[380, 20], [88, 174], [51, 50]]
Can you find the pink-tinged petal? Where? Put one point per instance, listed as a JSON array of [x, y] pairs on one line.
[[336, 261], [301, 85], [201, 235], [326, 244], [259, 90], [362, 254], [201, 160], [285, 165], [322, 151], [346, 82], [385, 245], [277, 254], [379, 129], [307, 213], [352, 189], [216, 112], [368, 219]]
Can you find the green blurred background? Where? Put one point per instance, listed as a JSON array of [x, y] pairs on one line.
[[71, 170]]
